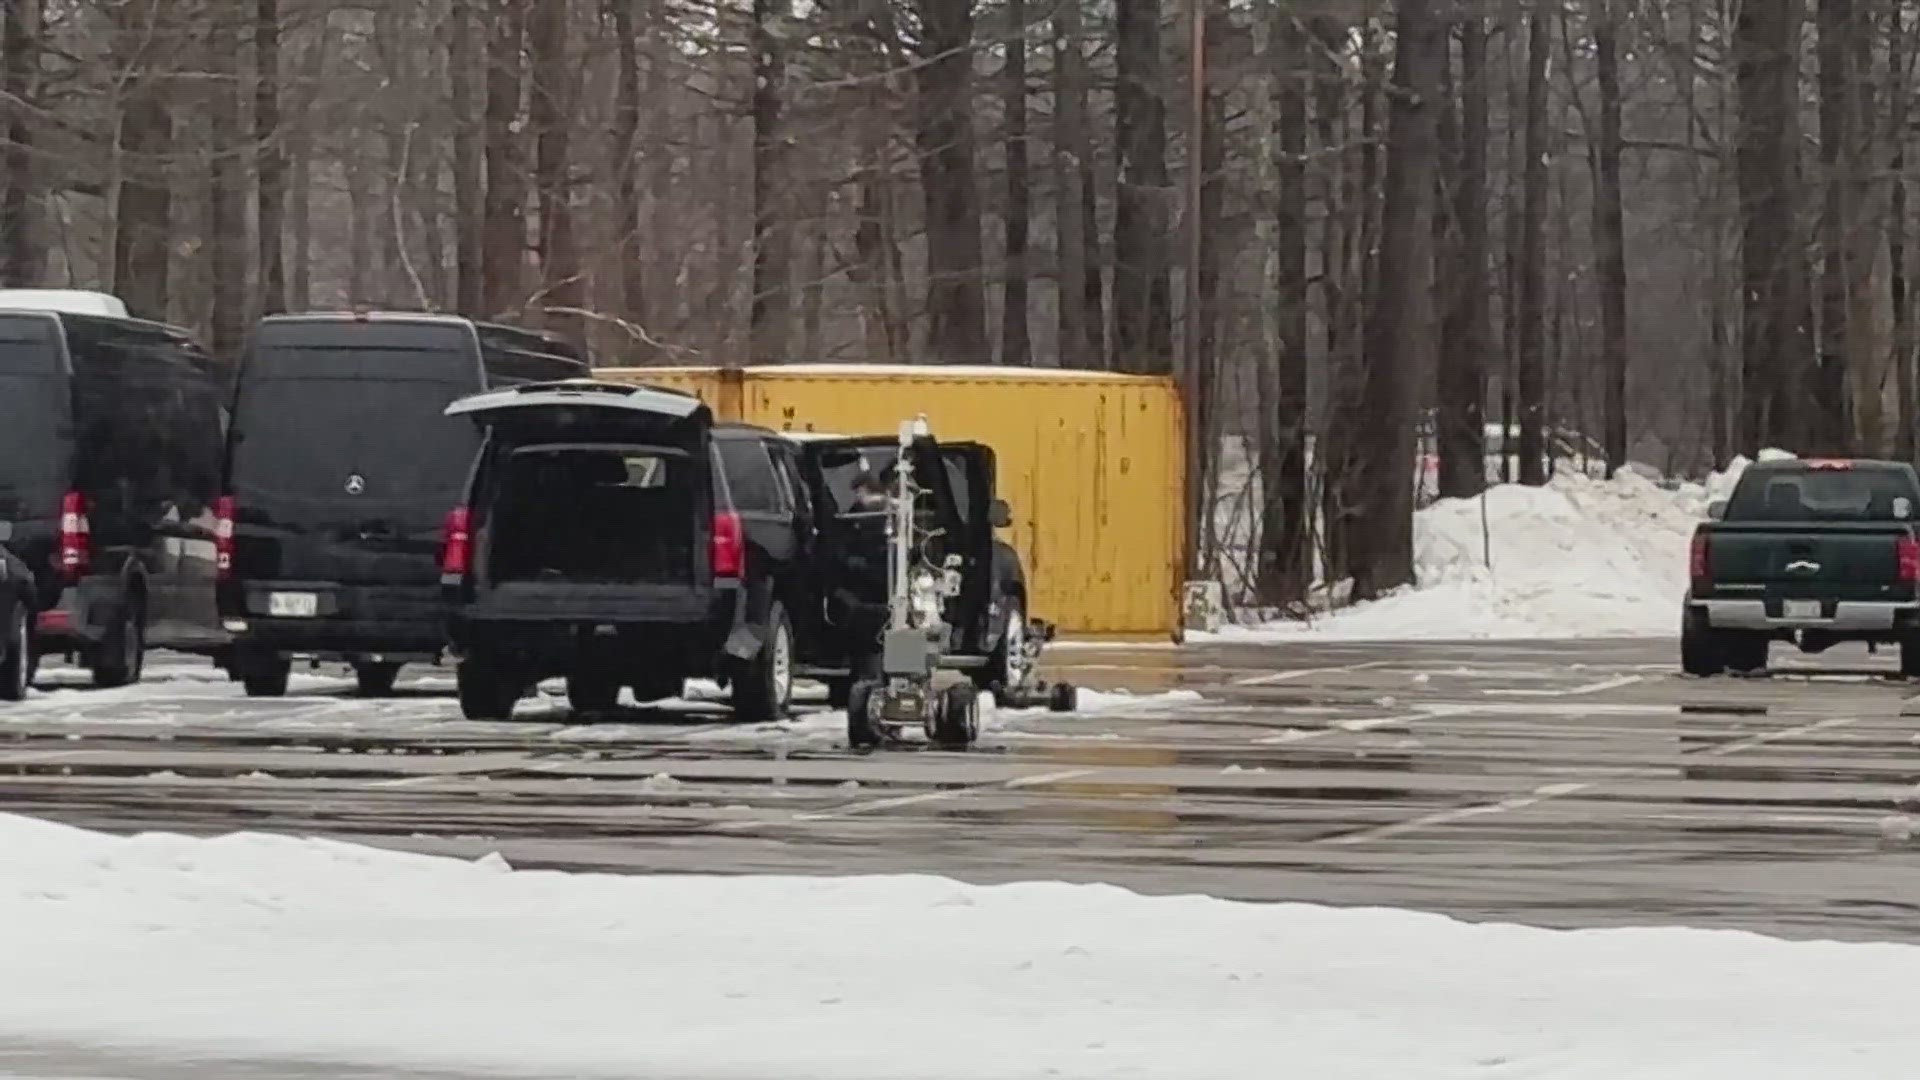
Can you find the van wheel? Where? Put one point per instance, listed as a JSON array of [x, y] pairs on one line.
[[763, 686], [16, 671], [862, 732], [376, 680], [486, 692], [267, 676], [659, 688], [591, 693], [123, 655]]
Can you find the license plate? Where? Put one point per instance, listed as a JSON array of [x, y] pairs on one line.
[[293, 605], [1802, 609]]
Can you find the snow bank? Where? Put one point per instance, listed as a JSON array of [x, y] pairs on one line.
[[1579, 557], [261, 946]]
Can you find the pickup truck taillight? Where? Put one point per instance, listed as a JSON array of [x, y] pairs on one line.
[[1907, 549], [223, 538], [456, 543], [1699, 563], [729, 546]]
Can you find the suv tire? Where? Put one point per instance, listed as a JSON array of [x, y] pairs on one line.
[[1910, 654], [375, 680], [763, 687], [16, 669], [1006, 667], [1701, 651], [122, 654], [486, 692], [591, 693]]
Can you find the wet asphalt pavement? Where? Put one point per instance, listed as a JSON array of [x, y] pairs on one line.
[[1558, 784]]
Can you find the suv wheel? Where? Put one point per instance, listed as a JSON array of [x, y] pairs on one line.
[[1910, 655], [122, 655], [486, 692], [16, 670], [267, 676], [592, 692], [763, 686], [1006, 669], [376, 680]]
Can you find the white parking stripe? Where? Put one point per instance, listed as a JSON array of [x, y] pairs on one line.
[[856, 809], [1614, 683], [1302, 673]]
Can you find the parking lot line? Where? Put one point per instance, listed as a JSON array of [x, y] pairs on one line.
[[1302, 673], [1614, 683], [1018, 782]]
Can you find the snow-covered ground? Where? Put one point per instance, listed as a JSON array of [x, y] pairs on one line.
[[260, 946], [1580, 557]]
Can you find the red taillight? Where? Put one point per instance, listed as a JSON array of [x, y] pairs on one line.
[[1700, 566], [76, 541], [456, 544], [729, 546], [1907, 549], [223, 537]]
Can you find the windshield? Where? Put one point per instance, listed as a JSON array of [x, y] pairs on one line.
[[312, 445], [1823, 495]]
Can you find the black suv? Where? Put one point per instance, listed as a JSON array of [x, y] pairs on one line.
[[110, 432], [340, 472], [600, 540]]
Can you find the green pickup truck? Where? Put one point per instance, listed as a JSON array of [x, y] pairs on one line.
[[1810, 551]]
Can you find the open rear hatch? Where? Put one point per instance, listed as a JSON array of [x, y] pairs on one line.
[[592, 502]]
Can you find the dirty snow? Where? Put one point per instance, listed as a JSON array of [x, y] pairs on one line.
[[186, 951], [1580, 557]]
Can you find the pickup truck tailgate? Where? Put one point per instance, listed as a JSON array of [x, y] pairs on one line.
[[1839, 561]]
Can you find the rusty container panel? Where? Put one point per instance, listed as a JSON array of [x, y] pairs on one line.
[[1093, 465]]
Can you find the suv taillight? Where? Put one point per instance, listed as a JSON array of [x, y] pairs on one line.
[[456, 543], [223, 537], [76, 541], [729, 545], [1907, 551], [1699, 562]]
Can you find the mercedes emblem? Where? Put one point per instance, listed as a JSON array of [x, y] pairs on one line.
[[356, 484]]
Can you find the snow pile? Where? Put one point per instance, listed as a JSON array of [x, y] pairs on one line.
[[189, 950], [1579, 557]]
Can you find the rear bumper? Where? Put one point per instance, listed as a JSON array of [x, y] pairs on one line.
[[352, 621], [1841, 617]]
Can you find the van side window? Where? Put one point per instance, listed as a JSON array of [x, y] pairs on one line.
[[148, 420], [750, 476]]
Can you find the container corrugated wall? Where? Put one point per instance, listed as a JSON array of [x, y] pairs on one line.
[[1091, 463]]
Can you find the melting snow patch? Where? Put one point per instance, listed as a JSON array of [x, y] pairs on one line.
[[247, 946]]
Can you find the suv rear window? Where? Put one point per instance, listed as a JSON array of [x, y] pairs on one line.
[[750, 476], [310, 419], [32, 385], [1841, 494]]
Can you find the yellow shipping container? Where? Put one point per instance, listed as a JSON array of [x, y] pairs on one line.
[[1092, 463]]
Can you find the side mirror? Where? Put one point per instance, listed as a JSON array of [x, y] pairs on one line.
[[999, 514], [1717, 510]]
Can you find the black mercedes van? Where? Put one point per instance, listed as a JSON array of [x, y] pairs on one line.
[[341, 468], [110, 437]]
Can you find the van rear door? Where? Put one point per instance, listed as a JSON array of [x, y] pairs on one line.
[[35, 436], [341, 465]]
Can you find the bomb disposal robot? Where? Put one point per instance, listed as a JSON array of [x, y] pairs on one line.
[[919, 682]]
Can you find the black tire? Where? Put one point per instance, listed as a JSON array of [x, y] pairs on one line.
[[659, 688], [839, 692], [267, 677], [1002, 671], [1063, 697], [862, 732], [375, 680], [1701, 653], [762, 688], [593, 693], [16, 648], [957, 723], [1745, 650], [122, 655], [1910, 655], [486, 692]]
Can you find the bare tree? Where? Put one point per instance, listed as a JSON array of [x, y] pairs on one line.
[[1284, 570], [1142, 291], [1016, 335], [1609, 233], [1530, 379]]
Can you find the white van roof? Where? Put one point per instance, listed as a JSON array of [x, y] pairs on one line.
[[70, 301]]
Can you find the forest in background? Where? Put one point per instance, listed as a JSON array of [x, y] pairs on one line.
[[1679, 227]]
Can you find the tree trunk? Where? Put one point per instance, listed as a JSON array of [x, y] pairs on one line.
[[1530, 383], [562, 281], [1283, 572], [770, 317], [1460, 428], [143, 206], [1349, 187], [956, 296], [18, 58], [1400, 324], [1142, 297], [1083, 308], [1903, 359], [269, 157], [463, 61], [1016, 336], [227, 224], [629, 177], [1773, 271], [1609, 235], [504, 242], [1828, 419]]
